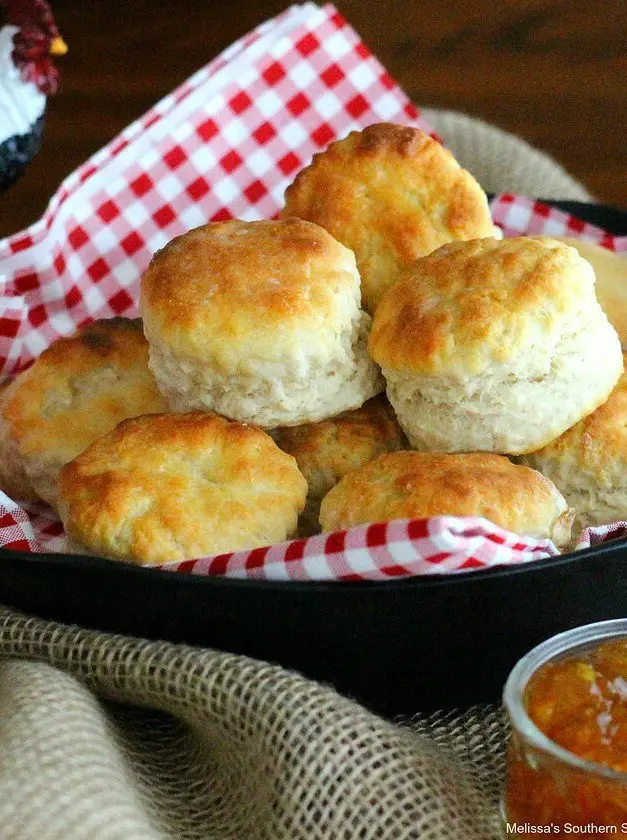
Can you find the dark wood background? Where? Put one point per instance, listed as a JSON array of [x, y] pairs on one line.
[[552, 72]]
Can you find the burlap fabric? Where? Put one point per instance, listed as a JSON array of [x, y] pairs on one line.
[[110, 738]]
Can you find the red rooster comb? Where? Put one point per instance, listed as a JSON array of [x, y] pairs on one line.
[[36, 43]]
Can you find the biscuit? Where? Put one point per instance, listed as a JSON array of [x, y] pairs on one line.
[[13, 478], [327, 451], [417, 485], [179, 486], [260, 322], [588, 463], [79, 388], [495, 346], [611, 281], [391, 194]]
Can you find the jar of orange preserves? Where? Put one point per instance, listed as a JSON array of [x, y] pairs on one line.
[[567, 756]]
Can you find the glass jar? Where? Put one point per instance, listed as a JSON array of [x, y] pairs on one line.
[[549, 789]]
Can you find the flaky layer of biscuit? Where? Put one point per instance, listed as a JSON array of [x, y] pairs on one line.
[[302, 389], [79, 388], [415, 485], [390, 193], [502, 411], [179, 486], [588, 463]]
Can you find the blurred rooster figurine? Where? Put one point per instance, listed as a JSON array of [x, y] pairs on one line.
[[28, 44]]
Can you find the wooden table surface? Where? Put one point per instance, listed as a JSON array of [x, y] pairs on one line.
[[552, 72]]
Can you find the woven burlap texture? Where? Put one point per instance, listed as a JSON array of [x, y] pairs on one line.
[[230, 748], [109, 738]]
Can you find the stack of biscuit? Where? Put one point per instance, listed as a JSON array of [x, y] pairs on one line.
[[377, 352]]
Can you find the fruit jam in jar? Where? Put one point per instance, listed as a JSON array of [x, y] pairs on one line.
[[567, 757]]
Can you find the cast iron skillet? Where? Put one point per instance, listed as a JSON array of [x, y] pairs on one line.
[[398, 646]]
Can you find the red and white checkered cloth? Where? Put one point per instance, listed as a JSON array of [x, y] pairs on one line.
[[226, 144]]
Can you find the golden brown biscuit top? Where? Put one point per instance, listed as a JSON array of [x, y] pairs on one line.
[[325, 452], [81, 387], [401, 485], [229, 289], [391, 194], [596, 446], [611, 281], [170, 486], [470, 305]]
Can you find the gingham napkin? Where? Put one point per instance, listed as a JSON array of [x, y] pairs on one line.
[[226, 144]]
